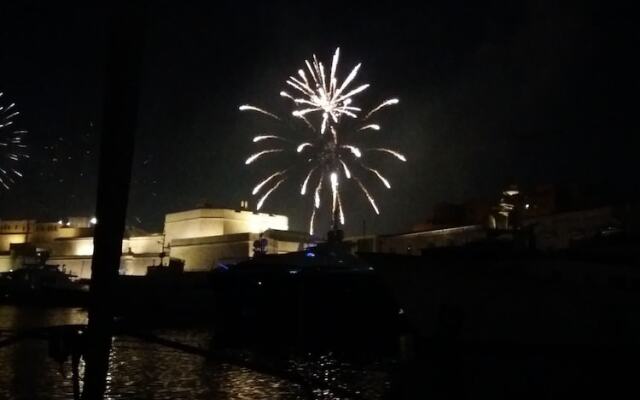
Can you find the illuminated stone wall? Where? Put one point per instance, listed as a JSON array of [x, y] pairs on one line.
[[204, 253], [206, 222], [13, 231], [71, 247], [247, 221], [6, 263], [138, 264], [15, 225], [63, 232], [200, 237], [143, 244], [6, 239], [23, 231]]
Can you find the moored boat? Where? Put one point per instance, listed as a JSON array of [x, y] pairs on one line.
[[42, 284], [321, 296]]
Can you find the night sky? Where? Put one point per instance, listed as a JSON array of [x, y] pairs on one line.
[[531, 92]]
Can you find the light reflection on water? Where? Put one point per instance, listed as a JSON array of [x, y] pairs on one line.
[[144, 370]]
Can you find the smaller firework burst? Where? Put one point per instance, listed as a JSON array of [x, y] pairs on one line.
[[13, 150]]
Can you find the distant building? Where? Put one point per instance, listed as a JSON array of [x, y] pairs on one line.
[[547, 217], [200, 238], [203, 236], [548, 232], [206, 222], [412, 243]]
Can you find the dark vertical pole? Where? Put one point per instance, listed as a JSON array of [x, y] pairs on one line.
[[116, 153]]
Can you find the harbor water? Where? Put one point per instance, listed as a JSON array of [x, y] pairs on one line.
[[144, 370]]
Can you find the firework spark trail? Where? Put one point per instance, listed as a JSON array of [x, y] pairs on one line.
[[12, 148], [341, 212], [379, 175], [334, 191], [261, 153], [301, 146], [303, 188], [347, 172], [334, 135], [354, 150], [266, 180], [313, 216], [337, 204], [316, 194], [287, 95], [394, 153], [306, 121], [260, 138], [301, 116], [321, 101], [374, 127], [386, 103], [248, 107], [369, 197], [263, 198]]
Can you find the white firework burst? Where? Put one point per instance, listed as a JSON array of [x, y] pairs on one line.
[[321, 102], [13, 150]]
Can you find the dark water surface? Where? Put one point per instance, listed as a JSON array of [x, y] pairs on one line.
[[141, 370]]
